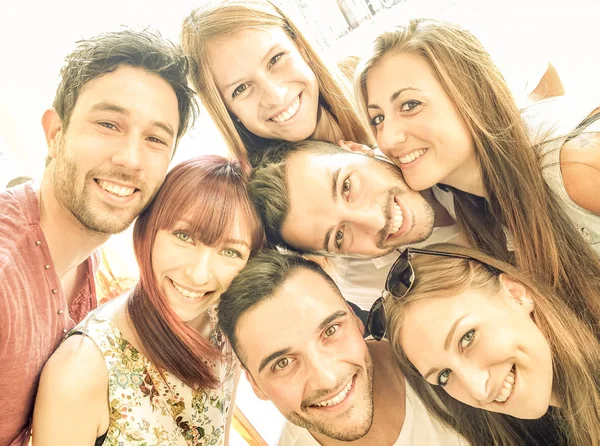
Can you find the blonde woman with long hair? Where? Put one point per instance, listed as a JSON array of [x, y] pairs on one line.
[[481, 343], [260, 79], [441, 111]]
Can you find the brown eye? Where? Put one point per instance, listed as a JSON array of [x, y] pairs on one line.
[[282, 363], [331, 330]]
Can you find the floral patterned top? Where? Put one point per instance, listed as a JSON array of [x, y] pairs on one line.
[[146, 410]]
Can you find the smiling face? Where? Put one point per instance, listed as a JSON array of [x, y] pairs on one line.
[[484, 349], [351, 204], [192, 276], [114, 155], [266, 83], [417, 125], [305, 352]]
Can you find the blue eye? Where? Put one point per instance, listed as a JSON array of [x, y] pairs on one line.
[[443, 377]]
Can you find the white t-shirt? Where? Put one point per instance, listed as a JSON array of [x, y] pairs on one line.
[[419, 428], [361, 281]]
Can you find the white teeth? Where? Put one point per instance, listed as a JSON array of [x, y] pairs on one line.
[[338, 398], [289, 113], [116, 190], [187, 293], [507, 387], [397, 219], [412, 156]]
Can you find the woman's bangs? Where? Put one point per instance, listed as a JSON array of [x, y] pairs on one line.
[[210, 212]]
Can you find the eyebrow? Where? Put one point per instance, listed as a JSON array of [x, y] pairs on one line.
[[447, 343], [334, 197], [235, 241], [111, 107], [338, 314], [394, 96], [231, 84]]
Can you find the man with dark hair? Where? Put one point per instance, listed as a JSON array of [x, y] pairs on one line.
[[315, 197], [121, 106], [302, 348]]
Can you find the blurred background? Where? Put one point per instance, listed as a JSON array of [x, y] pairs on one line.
[[523, 36]]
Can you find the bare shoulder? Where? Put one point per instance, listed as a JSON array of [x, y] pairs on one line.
[[580, 167], [77, 367]]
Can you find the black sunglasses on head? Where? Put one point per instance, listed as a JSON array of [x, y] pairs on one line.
[[399, 281]]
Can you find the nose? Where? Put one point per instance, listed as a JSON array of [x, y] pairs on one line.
[[199, 268], [476, 382], [370, 218], [321, 371], [393, 135], [272, 93], [129, 155]]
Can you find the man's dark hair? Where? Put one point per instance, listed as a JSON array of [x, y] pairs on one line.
[[268, 186], [262, 277], [106, 52]]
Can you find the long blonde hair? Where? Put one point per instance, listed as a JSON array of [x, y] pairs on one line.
[[575, 349], [546, 244], [219, 18]]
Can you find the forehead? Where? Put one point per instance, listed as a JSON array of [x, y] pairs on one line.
[[133, 89], [289, 319], [309, 179], [237, 52], [398, 71]]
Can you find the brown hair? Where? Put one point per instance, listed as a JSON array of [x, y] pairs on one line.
[[210, 191], [546, 245], [219, 18], [575, 349], [106, 52]]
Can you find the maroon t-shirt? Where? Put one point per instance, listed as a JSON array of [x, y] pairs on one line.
[[34, 316]]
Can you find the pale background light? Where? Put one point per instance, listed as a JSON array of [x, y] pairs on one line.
[[36, 36]]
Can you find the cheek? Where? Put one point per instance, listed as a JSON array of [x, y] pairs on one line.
[[227, 272]]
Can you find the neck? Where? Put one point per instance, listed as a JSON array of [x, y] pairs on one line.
[[69, 243], [389, 398], [442, 217], [327, 129], [468, 178]]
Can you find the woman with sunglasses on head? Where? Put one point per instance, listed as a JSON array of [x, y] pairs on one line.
[[151, 366], [441, 111], [261, 80], [481, 343]]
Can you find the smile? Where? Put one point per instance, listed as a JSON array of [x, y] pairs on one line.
[[412, 156], [187, 292], [397, 218], [115, 189], [507, 387], [288, 113], [338, 398]]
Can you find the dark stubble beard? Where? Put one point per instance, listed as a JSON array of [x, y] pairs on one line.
[[327, 427], [425, 215], [109, 219]]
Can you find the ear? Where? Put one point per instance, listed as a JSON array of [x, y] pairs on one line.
[[259, 393], [53, 129], [517, 293], [358, 320]]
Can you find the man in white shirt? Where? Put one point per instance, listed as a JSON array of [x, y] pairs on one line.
[[317, 198], [301, 347]]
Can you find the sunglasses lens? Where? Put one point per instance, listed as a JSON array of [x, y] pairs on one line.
[[377, 320], [400, 278]]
